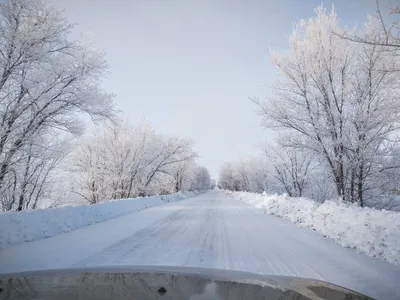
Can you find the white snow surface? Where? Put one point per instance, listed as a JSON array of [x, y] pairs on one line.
[[370, 231], [31, 225], [211, 230]]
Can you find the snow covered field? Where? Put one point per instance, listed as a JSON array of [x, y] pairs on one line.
[[373, 232], [211, 230], [32, 225]]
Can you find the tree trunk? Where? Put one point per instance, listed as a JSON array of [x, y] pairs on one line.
[[360, 195], [352, 185], [20, 202]]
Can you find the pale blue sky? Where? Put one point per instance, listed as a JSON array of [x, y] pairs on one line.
[[189, 66]]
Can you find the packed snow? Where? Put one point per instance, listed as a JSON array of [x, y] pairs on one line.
[[370, 231], [30, 225], [211, 230]]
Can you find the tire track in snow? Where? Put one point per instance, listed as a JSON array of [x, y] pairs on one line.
[[210, 230]]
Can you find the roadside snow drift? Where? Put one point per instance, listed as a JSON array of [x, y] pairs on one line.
[[30, 225], [371, 231]]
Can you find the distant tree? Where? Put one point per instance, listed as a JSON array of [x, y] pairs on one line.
[[124, 160], [201, 180], [213, 184], [245, 175], [229, 178]]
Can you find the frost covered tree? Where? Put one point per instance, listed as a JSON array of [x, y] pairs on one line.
[[124, 160], [257, 178], [309, 98], [291, 168], [46, 81], [189, 176], [180, 173], [341, 98], [34, 177], [279, 169], [374, 115], [229, 178], [245, 175], [200, 179], [388, 35], [213, 184], [168, 152]]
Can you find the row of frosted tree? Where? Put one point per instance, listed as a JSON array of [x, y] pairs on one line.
[[49, 85], [335, 113], [125, 161]]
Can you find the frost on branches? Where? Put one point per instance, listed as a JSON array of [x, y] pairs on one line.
[[249, 175], [337, 102], [124, 161], [46, 82]]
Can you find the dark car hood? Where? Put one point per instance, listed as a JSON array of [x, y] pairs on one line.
[[158, 282]]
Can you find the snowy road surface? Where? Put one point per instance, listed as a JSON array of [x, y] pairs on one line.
[[211, 230]]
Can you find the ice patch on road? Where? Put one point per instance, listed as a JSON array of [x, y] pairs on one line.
[[370, 231], [30, 225]]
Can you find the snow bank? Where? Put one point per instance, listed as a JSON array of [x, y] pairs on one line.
[[371, 231], [30, 225]]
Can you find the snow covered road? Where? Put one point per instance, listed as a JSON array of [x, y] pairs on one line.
[[211, 230]]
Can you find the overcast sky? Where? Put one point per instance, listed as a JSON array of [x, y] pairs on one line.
[[189, 66]]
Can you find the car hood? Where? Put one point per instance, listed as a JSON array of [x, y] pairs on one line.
[[162, 282]]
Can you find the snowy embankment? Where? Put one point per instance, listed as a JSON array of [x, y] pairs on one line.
[[30, 225], [370, 231]]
